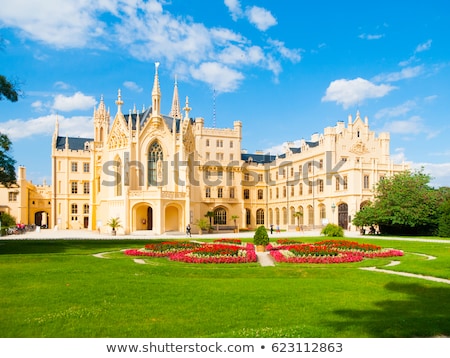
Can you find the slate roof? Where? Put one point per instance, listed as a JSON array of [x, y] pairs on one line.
[[75, 143], [258, 158]]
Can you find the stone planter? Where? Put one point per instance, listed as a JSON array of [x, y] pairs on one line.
[[260, 248]]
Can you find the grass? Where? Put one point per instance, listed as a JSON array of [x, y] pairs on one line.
[[57, 288]]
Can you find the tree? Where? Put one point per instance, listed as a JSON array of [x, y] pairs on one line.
[[234, 218], [298, 214], [367, 216], [114, 223], [7, 163], [404, 204], [8, 90], [210, 215]]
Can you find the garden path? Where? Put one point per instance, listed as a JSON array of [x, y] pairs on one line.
[[265, 259]]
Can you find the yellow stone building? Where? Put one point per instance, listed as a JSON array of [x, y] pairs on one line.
[[157, 173]]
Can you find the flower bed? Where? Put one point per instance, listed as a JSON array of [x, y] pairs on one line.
[[329, 251], [228, 241], [231, 251], [198, 253]]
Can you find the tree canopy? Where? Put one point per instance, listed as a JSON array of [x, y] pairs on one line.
[[8, 90], [7, 163], [404, 204]]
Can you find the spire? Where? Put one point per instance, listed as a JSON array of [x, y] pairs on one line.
[[56, 126], [119, 102], [175, 112], [187, 109], [156, 92]]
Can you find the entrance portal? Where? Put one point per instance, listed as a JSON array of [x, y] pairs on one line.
[[343, 215]]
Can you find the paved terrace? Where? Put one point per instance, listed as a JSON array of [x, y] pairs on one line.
[[149, 235]]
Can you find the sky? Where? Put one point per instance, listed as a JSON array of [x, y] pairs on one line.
[[286, 69]]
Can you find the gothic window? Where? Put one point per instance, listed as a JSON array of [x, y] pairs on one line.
[[155, 164], [246, 194], [220, 192], [86, 187], [260, 217], [74, 186], [74, 167], [86, 209], [366, 182], [231, 193], [220, 216], [208, 192], [320, 186]]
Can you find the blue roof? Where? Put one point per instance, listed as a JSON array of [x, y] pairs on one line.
[[74, 143], [258, 158]]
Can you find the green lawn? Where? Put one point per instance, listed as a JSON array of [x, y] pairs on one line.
[[58, 288]]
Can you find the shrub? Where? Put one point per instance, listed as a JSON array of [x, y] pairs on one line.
[[261, 237], [332, 230]]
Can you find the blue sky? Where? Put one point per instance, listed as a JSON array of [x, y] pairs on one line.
[[286, 69]]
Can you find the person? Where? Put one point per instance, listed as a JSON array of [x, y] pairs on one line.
[[188, 230], [271, 229], [278, 228]]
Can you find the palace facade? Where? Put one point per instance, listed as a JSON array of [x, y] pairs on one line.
[[158, 173]]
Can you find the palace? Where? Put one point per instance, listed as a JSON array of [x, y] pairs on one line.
[[158, 173]]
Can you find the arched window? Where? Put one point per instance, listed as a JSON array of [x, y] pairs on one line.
[[155, 164], [260, 217], [220, 216]]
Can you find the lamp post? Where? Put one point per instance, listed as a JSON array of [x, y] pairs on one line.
[[333, 208]]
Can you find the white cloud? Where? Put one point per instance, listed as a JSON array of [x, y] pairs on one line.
[[405, 73], [400, 110], [234, 6], [352, 92], [413, 125], [281, 148], [424, 47], [64, 24], [292, 54], [133, 86], [77, 126], [439, 173], [260, 17], [218, 76], [78, 101], [371, 36], [148, 31], [61, 85], [410, 127]]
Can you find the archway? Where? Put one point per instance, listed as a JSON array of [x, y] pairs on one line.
[[142, 217], [41, 219], [343, 215]]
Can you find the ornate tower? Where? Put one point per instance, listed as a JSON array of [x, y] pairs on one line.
[[156, 118], [101, 122]]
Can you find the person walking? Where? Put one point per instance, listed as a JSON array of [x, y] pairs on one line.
[[271, 229], [188, 230]]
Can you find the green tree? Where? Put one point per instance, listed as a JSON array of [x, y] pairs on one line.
[[404, 204], [7, 163], [8, 90], [444, 212], [367, 216]]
